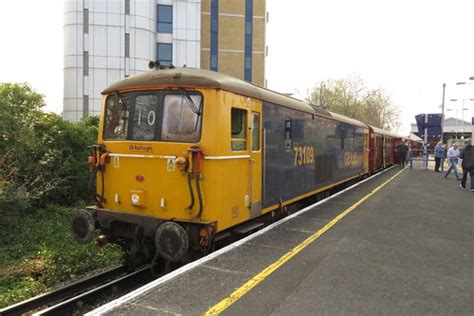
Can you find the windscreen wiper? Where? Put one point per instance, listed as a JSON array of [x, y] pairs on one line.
[[192, 106], [190, 102]]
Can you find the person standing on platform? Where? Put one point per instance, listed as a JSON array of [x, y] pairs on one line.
[[439, 155], [402, 150], [453, 157], [467, 156]]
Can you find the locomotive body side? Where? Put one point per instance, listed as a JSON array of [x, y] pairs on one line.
[[307, 153]]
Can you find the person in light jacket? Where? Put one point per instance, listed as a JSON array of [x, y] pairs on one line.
[[453, 156]]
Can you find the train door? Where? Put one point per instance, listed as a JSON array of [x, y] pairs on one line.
[[246, 148], [365, 157], [384, 151], [255, 163]]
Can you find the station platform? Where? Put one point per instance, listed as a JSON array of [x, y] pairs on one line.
[[399, 243]]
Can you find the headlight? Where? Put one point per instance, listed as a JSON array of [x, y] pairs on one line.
[[135, 198]]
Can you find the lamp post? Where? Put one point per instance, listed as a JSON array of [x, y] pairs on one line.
[[442, 113], [464, 82], [456, 118], [464, 109]]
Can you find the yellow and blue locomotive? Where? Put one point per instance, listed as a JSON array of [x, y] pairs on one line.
[[186, 157]]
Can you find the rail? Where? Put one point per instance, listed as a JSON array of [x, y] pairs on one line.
[[62, 293], [101, 294]]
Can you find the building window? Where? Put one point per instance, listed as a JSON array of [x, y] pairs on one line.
[[248, 40], [164, 53], [86, 21], [127, 6], [85, 65], [127, 45], [214, 34], [214, 62], [165, 19], [85, 105]]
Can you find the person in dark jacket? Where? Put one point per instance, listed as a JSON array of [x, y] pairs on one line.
[[467, 156], [402, 150], [439, 153]]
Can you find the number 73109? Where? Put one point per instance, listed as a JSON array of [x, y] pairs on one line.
[[303, 155]]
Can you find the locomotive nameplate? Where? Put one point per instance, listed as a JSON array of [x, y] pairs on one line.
[[140, 148]]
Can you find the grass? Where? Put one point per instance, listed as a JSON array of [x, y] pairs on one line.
[[37, 252]]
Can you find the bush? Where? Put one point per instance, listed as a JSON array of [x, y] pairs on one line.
[[43, 158]]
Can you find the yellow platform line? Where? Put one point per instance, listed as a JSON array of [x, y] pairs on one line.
[[253, 282]]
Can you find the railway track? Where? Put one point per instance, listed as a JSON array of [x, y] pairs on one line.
[[84, 302], [79, 295]]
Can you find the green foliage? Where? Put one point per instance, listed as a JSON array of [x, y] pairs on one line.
[[350, 97], [16, 288], [43, 158], [37, 252], [18, 104]]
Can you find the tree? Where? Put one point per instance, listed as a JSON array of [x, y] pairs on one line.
[[43, 158], [350, 97], [18, 104]]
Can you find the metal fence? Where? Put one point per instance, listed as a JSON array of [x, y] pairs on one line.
[[422, 159]]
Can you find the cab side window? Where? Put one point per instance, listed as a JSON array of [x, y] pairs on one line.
[[238, 137], [255, 131]]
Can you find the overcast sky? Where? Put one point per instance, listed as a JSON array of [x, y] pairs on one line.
[[409, 48]]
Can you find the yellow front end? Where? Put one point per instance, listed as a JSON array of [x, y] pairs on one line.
[[147, 177]]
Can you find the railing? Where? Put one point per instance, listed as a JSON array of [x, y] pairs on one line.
[[421, 158]]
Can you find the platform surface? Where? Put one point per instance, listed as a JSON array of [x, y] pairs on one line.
[[405, 250]]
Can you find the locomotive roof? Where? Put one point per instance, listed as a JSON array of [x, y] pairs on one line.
[[346, 119], [384, 132], [208, 79]]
